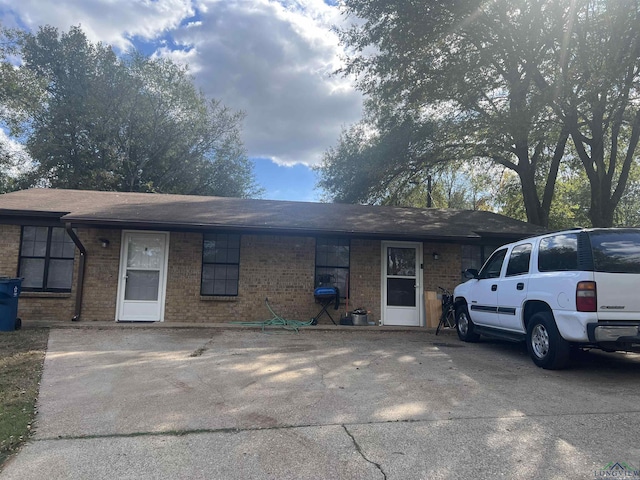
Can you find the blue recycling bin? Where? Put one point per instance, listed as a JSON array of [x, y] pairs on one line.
[[9, 294]]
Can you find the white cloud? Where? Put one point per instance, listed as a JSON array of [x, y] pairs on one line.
[[271, 59], [20, 159]]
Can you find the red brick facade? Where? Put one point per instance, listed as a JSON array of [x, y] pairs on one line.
[[280, 268]]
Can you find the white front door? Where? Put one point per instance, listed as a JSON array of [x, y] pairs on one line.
[[142, 285], [401, 283]]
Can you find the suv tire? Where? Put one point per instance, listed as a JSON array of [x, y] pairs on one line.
[[464, 325], [545, 344]]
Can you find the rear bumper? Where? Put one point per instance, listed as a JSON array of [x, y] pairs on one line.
[[618, 332]]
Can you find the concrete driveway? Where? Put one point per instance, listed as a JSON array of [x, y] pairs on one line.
[[238, 404]]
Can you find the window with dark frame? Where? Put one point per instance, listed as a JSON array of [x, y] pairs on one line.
[[519, 260], [220, 264], [46, 259], [332, 263], [558, 253]]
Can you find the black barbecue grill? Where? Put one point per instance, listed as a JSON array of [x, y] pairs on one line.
[[325, 296]]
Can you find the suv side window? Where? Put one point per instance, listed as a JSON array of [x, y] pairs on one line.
[[493, 266], [519, 260], [558, 253]]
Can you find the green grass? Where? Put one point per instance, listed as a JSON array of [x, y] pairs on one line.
[[21, 359]]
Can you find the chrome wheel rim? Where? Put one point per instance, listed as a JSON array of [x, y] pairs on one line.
[[463, 324], [540, 341]]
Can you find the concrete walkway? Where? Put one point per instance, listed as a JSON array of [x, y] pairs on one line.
[[228, 404]]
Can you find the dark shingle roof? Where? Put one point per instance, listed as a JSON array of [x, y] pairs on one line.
[[144, 210]]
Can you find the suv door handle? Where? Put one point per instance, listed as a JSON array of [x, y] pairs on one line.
[[520, 286], [494, 287]]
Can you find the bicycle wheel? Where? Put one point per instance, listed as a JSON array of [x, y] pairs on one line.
[[450, 321], [439, 325], [442, 322]]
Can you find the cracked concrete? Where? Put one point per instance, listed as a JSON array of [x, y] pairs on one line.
[[359, 450], [124, 403]]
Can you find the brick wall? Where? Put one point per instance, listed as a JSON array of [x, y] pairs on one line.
[[280, 268], [365, 274], [101, 273], [444, 272]]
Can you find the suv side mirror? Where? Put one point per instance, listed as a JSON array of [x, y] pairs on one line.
[[470, 273]]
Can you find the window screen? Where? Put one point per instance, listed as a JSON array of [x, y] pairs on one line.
[[332, 263], [46, 259], [220, 264]]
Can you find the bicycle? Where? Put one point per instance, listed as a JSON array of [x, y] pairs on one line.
[[448, 317]]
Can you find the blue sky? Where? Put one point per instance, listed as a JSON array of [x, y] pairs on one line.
[[272, 59], [282, 182]]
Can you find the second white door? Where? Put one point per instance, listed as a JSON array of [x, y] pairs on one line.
[[401, 283]]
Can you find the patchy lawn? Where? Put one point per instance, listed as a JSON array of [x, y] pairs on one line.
[[21, 359]]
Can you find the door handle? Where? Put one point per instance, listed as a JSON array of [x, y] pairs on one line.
[[520, 286], [494, 287]]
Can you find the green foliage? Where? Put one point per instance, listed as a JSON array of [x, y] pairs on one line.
[[509, 82], [597, 94], [124, 124], [465, 66], [391, 162]]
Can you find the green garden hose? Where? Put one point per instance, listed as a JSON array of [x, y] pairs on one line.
[[277, 321]]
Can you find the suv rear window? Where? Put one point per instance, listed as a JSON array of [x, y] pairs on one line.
[[616, 252], [558, 253]]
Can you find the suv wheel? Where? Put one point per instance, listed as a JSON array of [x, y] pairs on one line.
[[545, 344], [464, 325]]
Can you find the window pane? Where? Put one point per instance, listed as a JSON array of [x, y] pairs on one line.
[[60, 274], [34, 241], [558, 253], [471, 257], [50, 249], [401, 292], [57, 248], [332, 263], [332, 252], [61, 244], [233, 272], [32, 272], [401, 261], [231, 287], [142, 285], [69, 249], [519, 260], [208, 250], [207, 280], [494, 265], [145, 252], [218, 287], [221, 248], [220, 270], [616, 252]]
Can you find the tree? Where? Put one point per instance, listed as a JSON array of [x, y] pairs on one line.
[[126, 124], [599, 85], [513, 80], [398, 162], [466, 64]]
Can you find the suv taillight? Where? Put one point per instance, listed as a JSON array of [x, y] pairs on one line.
[[586, 298]]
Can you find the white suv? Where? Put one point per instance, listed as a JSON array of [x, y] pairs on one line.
[[573, 288]]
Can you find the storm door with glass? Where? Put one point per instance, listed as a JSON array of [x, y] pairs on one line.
[[142, 283], [401, 283]]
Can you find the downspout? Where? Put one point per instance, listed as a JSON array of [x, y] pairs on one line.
[[83, 256]]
